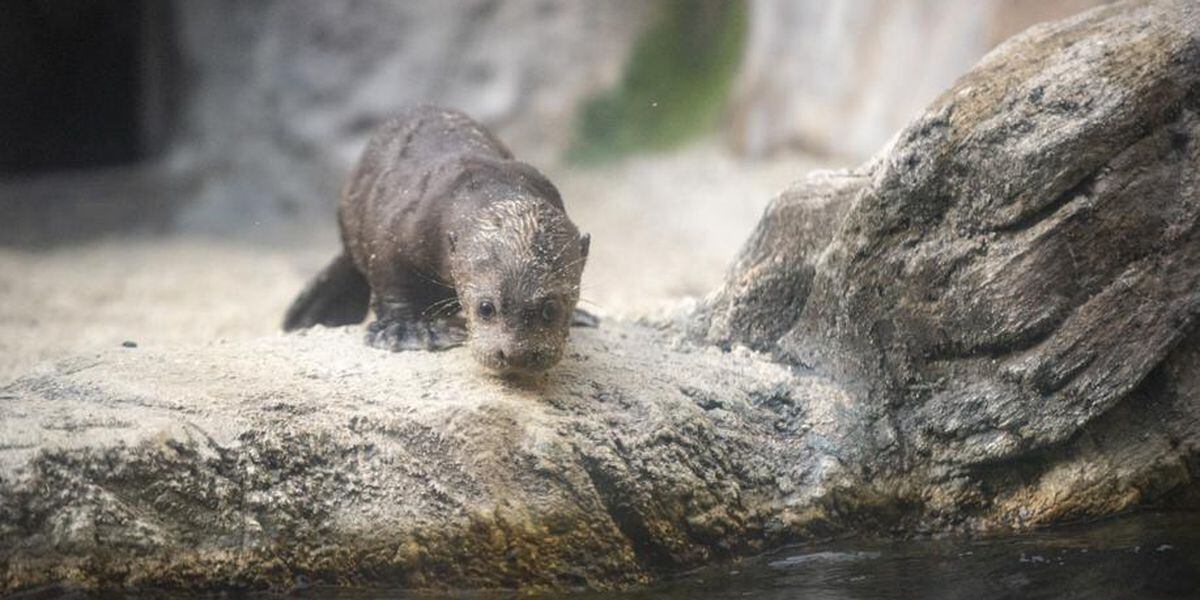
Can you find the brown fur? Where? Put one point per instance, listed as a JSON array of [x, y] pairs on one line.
[[438, 217]]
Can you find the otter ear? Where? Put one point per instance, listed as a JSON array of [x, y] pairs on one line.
[[585, 242], [452, 238]]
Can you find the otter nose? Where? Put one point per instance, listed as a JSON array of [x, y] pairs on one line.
[[518, 357], [525, 359]]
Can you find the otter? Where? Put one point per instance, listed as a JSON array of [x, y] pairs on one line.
[[450, 240]]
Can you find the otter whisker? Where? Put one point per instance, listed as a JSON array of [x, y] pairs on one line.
[[449, 310], [431, 278], [564, 268], [561, 250], [441, 305], [436, 309]]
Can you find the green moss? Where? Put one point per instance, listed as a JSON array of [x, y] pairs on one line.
[[674, 87]]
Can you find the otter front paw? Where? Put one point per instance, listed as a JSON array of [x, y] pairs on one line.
[[414, 335]]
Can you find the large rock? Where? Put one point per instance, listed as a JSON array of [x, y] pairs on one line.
[[1019, 267], [992, 325], [316, 457]]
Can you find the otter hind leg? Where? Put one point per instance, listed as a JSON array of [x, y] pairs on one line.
[[398, 327], [338, 295]]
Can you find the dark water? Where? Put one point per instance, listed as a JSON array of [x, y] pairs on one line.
[[1142, 556], [1150, 555]]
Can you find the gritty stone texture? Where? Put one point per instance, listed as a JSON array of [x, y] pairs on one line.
[[253, 464], [1016, 274], [991, 325]]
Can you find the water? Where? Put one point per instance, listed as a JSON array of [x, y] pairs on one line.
[[1149, 555], [1153, 555]]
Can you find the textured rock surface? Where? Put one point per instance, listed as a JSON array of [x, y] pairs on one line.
[[314, 456], [1018, 268], [991, 325]]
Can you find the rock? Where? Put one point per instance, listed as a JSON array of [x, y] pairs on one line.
[[253, 464], [1020, 266], [991, 325]]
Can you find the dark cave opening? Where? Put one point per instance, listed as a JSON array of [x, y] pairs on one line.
[[83, 83]]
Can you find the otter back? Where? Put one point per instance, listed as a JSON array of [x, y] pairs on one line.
[[423, 223]]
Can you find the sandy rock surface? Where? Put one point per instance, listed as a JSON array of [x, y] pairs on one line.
[[664, 230], [992, 325], [258, 462]]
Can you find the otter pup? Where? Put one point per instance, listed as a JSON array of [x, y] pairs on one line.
[[438, 217]]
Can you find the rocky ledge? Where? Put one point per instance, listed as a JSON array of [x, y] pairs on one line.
[[992, 325]]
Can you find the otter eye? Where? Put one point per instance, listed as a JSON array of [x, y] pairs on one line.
[[486, 309], [550, 310]]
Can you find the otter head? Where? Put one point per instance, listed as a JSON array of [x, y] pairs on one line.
[[517, 271]]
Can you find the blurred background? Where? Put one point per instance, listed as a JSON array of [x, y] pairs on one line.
[[169, 169]]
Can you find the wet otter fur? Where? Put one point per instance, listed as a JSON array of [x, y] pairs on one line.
[[438, 219]]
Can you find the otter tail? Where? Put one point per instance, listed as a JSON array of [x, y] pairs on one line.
[[338, 295]]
